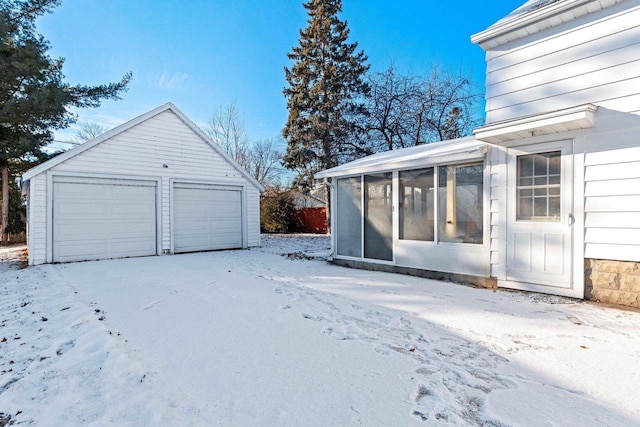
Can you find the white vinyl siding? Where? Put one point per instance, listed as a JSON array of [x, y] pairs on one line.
[[612, 204], [162, 148], [497, 195], [252, 206], [37, 221], [593, 59]]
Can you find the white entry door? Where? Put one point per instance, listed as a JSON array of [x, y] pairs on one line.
[[539, 214]]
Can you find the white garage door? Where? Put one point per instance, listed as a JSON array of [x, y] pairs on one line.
[[103, 218], [206, 217]]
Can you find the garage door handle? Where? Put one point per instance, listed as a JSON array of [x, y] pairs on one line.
[[572, 220]]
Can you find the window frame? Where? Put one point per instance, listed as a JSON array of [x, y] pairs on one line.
[[396, 206], [428, 200], [533, 188], [480, 196]]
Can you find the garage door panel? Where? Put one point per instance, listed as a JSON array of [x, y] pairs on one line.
[[132, 247], [79, 209], [95, 249], [229, 238], [134, 228], [134, 210], [198, 242], [69, 250], [207, 218], [101, 219]]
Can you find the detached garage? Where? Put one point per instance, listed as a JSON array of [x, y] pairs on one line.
[[154, 185]]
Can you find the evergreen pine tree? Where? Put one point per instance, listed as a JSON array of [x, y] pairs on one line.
[[325, 85], [34, 98]]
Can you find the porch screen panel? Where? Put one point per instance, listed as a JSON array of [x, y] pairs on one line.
[[349, 217], [460, 203], [416, 204], [378, 226]]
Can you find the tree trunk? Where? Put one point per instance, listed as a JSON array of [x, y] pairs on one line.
[[5, 205]]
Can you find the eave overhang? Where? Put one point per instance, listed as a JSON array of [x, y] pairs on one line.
[[575, 118], [551, 14], [458, 150]]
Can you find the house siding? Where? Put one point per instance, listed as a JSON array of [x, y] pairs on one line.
[[612, 188], [592, 59], [141, 151], [497, 186], [37, 232], [253, 216]]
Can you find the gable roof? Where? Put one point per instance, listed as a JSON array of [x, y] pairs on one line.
[[455, 149], [534, 16], [130, 124]]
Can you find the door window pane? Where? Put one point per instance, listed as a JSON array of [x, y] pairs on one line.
[[349, 217], [416, 204], [378, 229], [460, 203], [538, 190]]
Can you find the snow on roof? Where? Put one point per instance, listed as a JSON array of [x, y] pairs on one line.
[[408, 157], [534, 16], [528, 7]]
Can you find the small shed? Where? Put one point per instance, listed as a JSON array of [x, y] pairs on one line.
[[154, 185]]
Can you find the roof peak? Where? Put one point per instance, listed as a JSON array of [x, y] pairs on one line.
[[128, 125]]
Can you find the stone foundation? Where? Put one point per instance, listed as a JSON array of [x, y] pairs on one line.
[[613, 282]]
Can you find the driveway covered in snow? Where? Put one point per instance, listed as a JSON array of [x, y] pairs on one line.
[[257, 338]]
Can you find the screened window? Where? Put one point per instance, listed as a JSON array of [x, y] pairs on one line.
[[416, 201], [349, 217], [538, 187], [460, 203], [378, 224]]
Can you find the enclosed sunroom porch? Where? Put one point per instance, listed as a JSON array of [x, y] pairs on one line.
[[423, 208]]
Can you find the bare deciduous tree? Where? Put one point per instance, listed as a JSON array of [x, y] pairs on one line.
[[87, 131], [264, 161], [407, 110], [226, 128], [390, 120], [261, 158]]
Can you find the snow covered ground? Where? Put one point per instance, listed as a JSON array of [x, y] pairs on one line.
[[253, 337]]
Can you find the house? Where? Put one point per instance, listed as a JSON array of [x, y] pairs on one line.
[[545, 196], [314, 199], [154, 185]]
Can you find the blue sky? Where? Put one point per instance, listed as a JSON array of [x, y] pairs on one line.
[[203, 54]]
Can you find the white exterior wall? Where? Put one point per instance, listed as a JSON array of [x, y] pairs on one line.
[[595, 59], [253, 216], [612, 187], [141, 151], [592, 59], [606, 189], [37, 230], [497, 196]]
